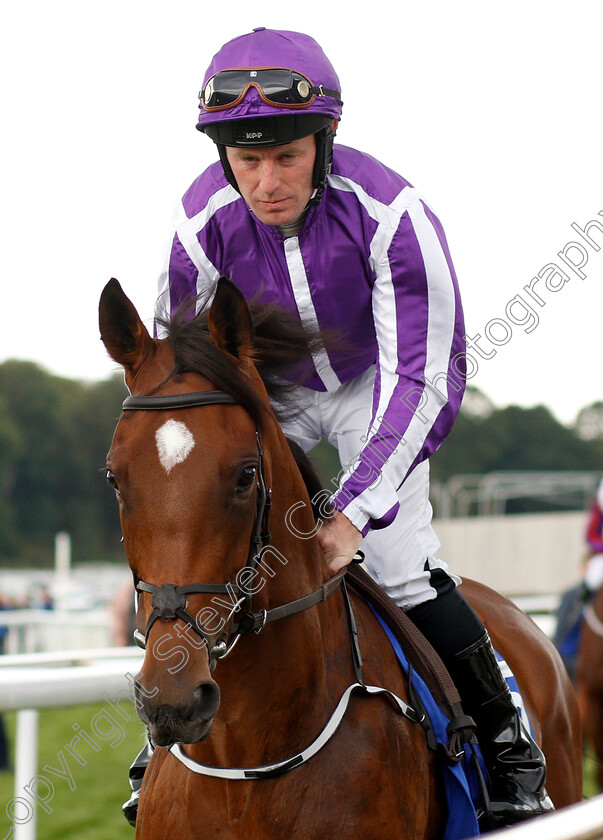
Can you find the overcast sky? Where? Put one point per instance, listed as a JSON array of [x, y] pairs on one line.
[[492, 111]]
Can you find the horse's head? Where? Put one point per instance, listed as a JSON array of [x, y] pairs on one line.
[[192, 485]]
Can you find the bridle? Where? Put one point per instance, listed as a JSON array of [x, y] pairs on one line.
[[170, 601]]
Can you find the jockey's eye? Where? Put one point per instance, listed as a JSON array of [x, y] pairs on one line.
[[246, 478]]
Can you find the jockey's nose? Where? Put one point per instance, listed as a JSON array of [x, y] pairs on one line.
[[269, 180]]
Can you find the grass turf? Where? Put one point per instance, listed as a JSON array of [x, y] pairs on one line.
[[88, 790]]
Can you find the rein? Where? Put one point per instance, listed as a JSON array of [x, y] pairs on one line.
[[169, 601]]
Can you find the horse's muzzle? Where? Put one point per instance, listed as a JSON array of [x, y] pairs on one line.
[[183, 724]]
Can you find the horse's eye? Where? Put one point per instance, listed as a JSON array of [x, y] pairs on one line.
[[112, 481], [246, 479]]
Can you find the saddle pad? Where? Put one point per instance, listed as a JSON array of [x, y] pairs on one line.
[[460, 781]]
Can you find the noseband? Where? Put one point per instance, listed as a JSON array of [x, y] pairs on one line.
[[169, 601]]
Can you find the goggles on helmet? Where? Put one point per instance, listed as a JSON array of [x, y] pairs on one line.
[[276, 86]]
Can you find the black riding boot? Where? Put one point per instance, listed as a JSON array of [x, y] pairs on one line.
[[516, 766], [130, 808]]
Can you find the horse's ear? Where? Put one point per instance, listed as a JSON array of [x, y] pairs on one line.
[[230, 323], [122, 332]]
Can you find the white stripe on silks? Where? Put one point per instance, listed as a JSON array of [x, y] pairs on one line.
[[440, 324], [384, 302], [307, 312], [386, 218], [162, 305], [188, 230], [384, 306], [441, 296], [440, 333]]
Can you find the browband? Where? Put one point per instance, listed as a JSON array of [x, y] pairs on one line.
[[166, 401]]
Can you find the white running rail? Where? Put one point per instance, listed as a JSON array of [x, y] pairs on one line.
[[29, 682], [578, 822]]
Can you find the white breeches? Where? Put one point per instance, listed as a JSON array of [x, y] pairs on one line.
[[395, 556]]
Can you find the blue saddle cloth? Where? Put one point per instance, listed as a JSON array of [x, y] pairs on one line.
[[460, 780]]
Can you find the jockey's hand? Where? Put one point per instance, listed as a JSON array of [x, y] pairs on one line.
[[339, 540]]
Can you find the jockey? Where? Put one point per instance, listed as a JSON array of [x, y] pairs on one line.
[[335, 236], [570, 612], [594, 530]]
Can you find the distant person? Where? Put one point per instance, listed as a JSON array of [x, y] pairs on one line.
[[594, 535], [570, 613], [123, 615], [41, 599]]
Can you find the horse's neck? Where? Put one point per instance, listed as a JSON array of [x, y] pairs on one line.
[[279, 688], [294, 548]]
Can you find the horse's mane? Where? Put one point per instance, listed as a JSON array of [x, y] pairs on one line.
[[282, 353], [282, 350]]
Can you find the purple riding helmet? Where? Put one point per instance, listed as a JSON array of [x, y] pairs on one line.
[[268, 88]]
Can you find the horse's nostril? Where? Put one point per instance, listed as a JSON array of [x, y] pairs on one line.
[[207, 697]]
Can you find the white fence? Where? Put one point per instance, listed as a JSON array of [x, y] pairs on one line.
[[33, 630], [523, 554], [579, 822], [29, 682]]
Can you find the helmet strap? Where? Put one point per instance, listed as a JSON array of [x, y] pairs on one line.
[[229, 174], [322, 164]]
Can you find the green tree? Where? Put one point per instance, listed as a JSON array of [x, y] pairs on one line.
[[512, 438], [11, 443], [54, 434], [94, 509]]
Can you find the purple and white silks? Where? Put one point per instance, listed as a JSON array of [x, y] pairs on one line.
[[372, 263]]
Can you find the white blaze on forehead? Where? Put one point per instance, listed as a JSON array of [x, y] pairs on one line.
[[174, 443]]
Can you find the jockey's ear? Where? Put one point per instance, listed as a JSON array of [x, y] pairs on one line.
[[230, 323], [122, 332]]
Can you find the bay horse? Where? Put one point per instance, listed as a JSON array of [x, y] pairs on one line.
[[197, 460], [589, 679]]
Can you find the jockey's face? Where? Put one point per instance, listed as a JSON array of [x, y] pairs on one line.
[[275, 181]]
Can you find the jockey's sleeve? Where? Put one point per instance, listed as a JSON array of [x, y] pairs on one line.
[[421, 362]]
